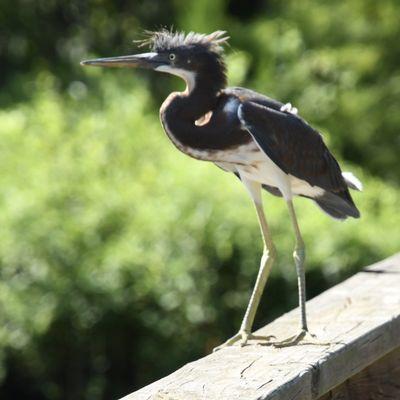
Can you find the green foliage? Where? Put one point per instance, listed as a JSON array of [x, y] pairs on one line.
[[102, 219], [121, 258]]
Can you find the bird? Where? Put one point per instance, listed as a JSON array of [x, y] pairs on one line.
[[264, 142]]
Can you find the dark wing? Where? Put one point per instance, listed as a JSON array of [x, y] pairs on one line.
[[292, 145], [244, 94]]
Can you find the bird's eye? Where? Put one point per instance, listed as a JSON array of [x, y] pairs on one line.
[[172, 56]]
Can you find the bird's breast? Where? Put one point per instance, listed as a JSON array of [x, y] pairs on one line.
[[203, 138]]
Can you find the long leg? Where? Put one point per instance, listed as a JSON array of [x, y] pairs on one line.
[[299, 256], [267, 259]]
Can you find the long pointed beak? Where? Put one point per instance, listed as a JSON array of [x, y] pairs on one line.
[[145, 60]]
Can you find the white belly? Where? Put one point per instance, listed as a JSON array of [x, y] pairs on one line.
[[268, 173], [250, 162]]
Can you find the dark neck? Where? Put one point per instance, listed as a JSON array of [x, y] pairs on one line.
[[200, 99], [180, 111]]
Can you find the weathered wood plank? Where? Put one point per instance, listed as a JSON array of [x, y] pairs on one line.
[[379, 381], [359, 318]]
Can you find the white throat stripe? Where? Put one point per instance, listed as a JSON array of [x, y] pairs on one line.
[[188, 76]]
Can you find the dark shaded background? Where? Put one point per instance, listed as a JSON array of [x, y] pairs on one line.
[[121, 259]]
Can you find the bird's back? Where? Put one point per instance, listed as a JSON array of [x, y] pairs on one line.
[[297, 150]]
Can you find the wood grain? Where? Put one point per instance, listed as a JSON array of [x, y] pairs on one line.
[[379, 381], [359, 318]]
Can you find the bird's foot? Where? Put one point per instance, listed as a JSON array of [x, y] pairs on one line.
[[243, 338], [302, 338]]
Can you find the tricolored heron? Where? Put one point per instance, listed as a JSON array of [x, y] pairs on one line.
[[260, 140]]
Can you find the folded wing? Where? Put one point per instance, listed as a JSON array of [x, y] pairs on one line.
[[293, 145], [299, 150]]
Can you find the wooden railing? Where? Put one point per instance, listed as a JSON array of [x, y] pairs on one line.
[[356, 357]]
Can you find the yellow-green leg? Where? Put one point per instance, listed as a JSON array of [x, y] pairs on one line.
[[299, 256], [267, 260]]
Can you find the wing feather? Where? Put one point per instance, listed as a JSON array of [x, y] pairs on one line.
[[293, 145]]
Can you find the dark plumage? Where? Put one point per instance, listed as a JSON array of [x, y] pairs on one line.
[[299, 150], [166, 40], [260, 140]]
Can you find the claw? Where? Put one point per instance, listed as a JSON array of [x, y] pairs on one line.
[[243, 337], [301, 338]]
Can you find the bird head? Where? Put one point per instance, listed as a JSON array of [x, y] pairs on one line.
[[190, 56]]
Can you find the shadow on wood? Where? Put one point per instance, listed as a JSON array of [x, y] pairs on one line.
[[359, 318]]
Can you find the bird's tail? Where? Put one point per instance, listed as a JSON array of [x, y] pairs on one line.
[[338, 205]]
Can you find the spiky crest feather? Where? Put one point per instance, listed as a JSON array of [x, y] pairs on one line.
[[164, 40]]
